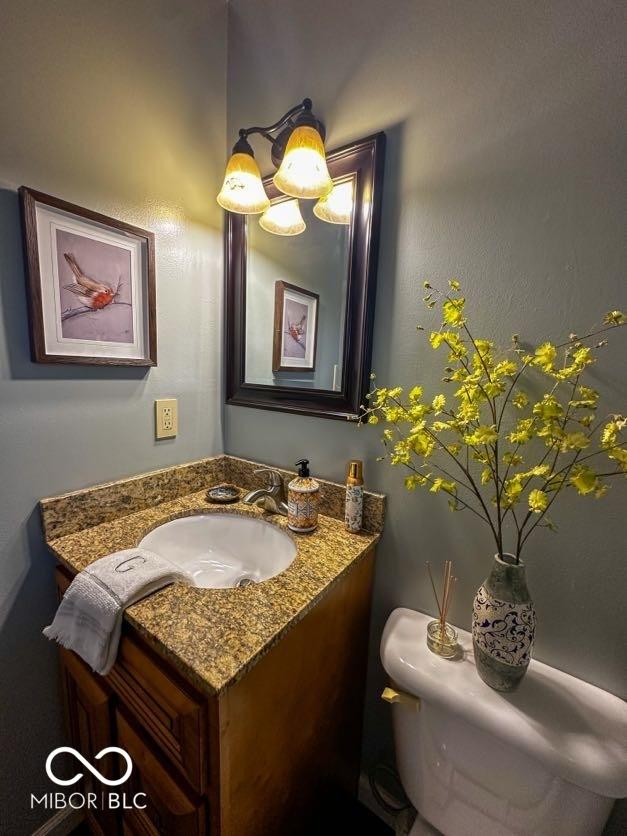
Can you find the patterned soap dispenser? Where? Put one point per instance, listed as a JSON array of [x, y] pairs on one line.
[[354, 507], [303, 496]]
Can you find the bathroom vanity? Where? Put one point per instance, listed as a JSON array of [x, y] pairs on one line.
[[241, 708]]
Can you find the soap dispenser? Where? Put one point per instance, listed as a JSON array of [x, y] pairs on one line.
[[354, 504], [303, 496]]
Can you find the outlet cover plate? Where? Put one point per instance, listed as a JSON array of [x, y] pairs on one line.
[[166, 418]]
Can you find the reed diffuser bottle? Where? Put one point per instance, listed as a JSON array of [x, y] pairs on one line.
[[442, 637]]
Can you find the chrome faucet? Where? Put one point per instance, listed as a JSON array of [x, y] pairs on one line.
[[272, 497]]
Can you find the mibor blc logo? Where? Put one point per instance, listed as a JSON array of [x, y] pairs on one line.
[[90, 800], [87, 765]]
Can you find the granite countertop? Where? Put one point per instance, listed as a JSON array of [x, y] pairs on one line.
[[213, 636]]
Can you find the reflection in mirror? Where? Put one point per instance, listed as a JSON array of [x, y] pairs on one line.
[[296, 291]]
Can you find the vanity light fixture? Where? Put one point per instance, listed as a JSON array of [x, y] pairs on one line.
[[283, 218], [303, 171], [337, 206], [242, 190], [297, 151]]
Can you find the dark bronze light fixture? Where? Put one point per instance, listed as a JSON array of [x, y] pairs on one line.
[[298, 152]]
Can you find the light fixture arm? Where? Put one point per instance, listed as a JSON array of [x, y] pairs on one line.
[[300, 114], [305, 105]]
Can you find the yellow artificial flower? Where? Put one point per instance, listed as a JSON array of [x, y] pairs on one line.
[[453, 312], [512, 490], [548, 408], [440, 484], [439, 402], [467, 412], [523, 431], [614, 318], [401, 454], [506, 368], [538, 470], [418, 411], [574, 441], [584, 479], [484, 347], [619, 454], [544, 356], [609, 436], [481, 435], [588, 394], [421, 443], [493, 388], [538, 501], [520, 400]]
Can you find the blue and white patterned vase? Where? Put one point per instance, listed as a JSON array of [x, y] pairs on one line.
[[503, 625]]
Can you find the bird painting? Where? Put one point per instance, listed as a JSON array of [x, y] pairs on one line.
[[297, 329], [91, 293]]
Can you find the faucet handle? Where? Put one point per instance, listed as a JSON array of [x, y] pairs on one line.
[[274, 477]]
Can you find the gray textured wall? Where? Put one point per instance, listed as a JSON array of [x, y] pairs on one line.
[[119, 107], [505, 167]]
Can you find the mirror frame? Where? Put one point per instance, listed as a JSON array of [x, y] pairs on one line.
[[364, 158]]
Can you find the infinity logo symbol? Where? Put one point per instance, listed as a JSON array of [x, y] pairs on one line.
[[78, 756]]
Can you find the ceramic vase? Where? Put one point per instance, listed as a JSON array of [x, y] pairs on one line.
[[503, 625]]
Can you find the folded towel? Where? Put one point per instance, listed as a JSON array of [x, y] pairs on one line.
[[89, 618]]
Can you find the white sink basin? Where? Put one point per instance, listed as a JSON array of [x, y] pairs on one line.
[[222, 550]]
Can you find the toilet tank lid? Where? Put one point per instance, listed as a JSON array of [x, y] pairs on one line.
[[576, 730]]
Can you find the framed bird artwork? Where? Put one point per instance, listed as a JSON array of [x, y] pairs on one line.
[[90, 284], [295, 328]]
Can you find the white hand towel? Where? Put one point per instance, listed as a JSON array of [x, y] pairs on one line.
[[89, 618]]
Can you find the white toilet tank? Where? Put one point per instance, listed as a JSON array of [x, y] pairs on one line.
[[548, 760]]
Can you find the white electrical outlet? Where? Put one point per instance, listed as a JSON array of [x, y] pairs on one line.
[[166, 418]]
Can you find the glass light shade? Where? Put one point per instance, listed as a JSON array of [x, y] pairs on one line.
[[303, 171], [337, 206], [242, 190], [283, 218]]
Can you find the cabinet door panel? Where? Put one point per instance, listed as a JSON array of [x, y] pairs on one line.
[[172, 714], [171, 810], [90, 716]]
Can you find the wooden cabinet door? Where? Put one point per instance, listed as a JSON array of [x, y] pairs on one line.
[[171, 809], [90, 718]]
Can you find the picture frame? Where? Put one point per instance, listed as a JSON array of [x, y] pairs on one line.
[[90, 283], [295, 328]]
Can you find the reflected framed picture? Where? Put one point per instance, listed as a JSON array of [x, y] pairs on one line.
[[295, 328], [90, 284]]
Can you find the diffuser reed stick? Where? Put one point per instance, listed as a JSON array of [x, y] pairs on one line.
[[441, 637]]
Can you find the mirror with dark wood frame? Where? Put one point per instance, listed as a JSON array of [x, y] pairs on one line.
[[300, 308]]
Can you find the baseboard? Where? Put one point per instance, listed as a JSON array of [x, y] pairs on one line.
[[61, 824]]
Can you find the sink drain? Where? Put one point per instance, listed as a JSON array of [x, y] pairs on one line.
[[245, 582]]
